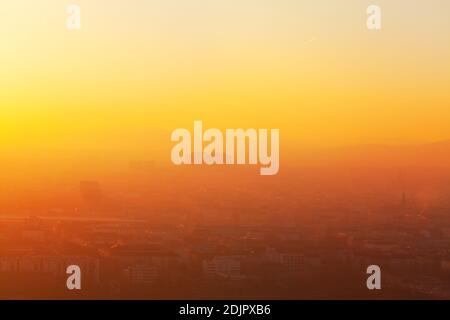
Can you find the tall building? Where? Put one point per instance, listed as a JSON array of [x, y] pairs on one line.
[[91, 193]]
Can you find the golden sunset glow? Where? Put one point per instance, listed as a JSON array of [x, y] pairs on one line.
[[356, 169], [310, 68]]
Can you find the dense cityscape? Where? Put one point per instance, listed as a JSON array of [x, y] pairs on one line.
[[241, 249]]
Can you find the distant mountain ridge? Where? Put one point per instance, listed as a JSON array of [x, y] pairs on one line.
[[435, 154]]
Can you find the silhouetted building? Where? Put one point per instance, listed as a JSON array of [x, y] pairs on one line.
[[91, 193]]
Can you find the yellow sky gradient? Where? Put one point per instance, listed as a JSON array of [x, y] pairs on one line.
[[139, 69]]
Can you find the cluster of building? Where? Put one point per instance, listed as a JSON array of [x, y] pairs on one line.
[[321, 255]]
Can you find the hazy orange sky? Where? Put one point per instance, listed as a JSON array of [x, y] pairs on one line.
[[139, 69]]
